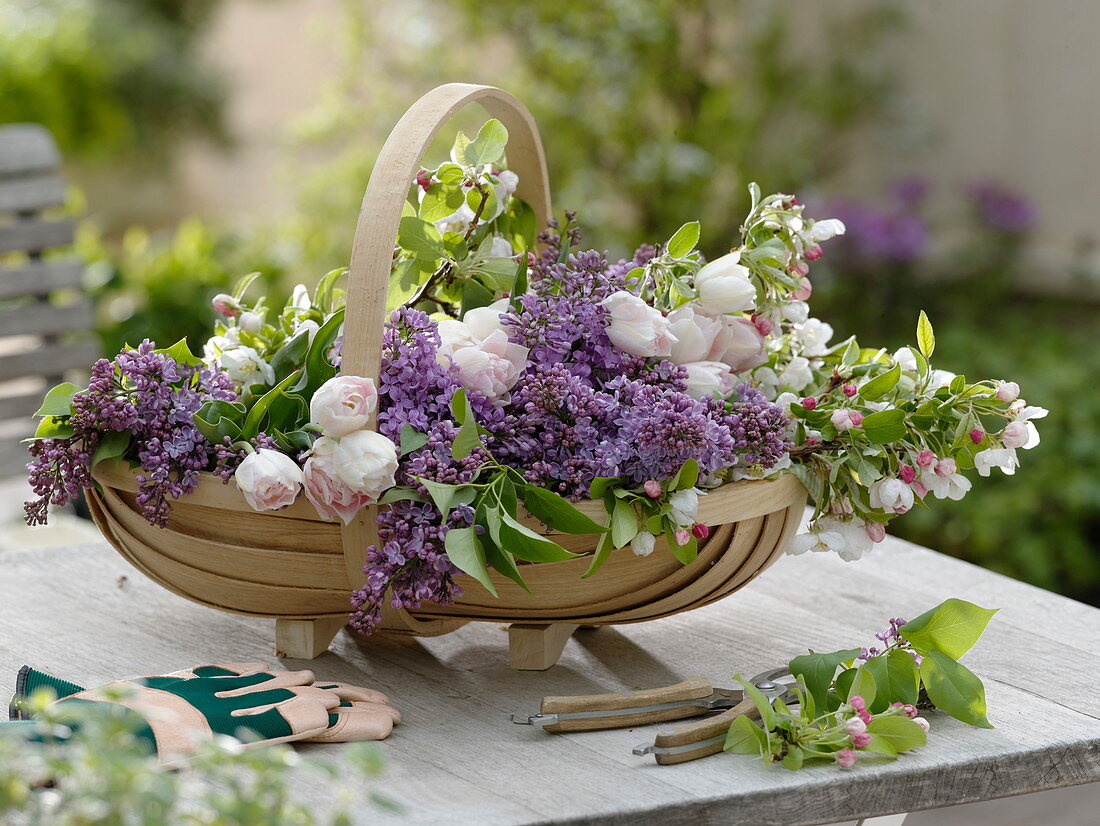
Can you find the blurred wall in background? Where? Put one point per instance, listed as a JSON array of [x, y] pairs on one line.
[[997, 89]]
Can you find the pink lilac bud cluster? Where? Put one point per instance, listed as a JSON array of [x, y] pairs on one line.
[[892, 640], [154, 398]]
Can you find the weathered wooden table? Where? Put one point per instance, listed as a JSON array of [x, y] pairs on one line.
[[82, 613]]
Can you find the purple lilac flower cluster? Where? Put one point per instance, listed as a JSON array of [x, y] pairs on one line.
[[582, 408], [1000, 208], [890, 638], [227, 457], [150, 396], [416, 389]]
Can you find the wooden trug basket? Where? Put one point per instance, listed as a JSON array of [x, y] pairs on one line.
[[297, 568]]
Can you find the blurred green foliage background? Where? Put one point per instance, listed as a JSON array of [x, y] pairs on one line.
[[665, 121]]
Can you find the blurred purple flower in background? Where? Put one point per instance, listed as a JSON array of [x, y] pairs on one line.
[[893, 232], [1000, 208]]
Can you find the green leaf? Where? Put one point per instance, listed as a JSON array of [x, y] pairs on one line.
[[442, 494], [685, 553], [558, 513], [505, 563], [475, 295], [318, 369], [864, 685], [112, 446], [926, 339], [400, 494], [953, 627], [745, 737], [683, 240], [603, 550], [323, 295], [528, 545], [763, 704], [218, 419], [688, 475], [412, 439], [600, 485], [441, 200], [880, 745], [954, 689], [901, 733], [488, 146], [58, 402], [624, 523], [844, 682], [792, 760], [290, 356], [519, 283], [465, 551], [896, 680], [421, 239], [405, 282], [294, 441], [254, 420], [181, 353], [885, 426], [815, 671], [466, 440], [880, 385], [54, 427]]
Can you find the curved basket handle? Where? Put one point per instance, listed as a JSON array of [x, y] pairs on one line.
[[394, 171], [372, 251]]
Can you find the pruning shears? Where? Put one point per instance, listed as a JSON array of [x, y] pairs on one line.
[[691, 698]]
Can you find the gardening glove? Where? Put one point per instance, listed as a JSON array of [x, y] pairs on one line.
[[354, 713]]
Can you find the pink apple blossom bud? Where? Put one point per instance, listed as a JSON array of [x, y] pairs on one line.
[[652, 488], [920, 721], [920, 489], [876, 531], [946, 468], [763, 324], [810, 440], [907, 474], [856, 417], [813, 253], [911, 711], [424, 179], [682, 536], [926, 458], [809, 402], [857, 702], [700, 531], [855, 726], [1008, 391], [976, 435], [226, 305], [1015, 434], [862, 741], [865, 716], [804, 289], [846, 758], [849, 390]]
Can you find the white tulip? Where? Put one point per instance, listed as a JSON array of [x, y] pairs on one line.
[[365, 461], [699, 337], [482, 322], [724, 286], [707, 378], [268, 479], [635, 327]]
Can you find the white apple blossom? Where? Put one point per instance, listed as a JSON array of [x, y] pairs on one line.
[[846, 537], [952, 486], [996, 457], [684, 506], [904, 356], [797, 374], [891, 495], [245, 366], [299, 300], [500, 248], [814, 335], [643, 543], [250, 322], [826, 229], [796, 312]]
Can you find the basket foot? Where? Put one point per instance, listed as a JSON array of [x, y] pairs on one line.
[[306, 639], [536, 647]]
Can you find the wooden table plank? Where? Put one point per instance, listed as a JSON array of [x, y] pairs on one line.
[[458, 759]]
